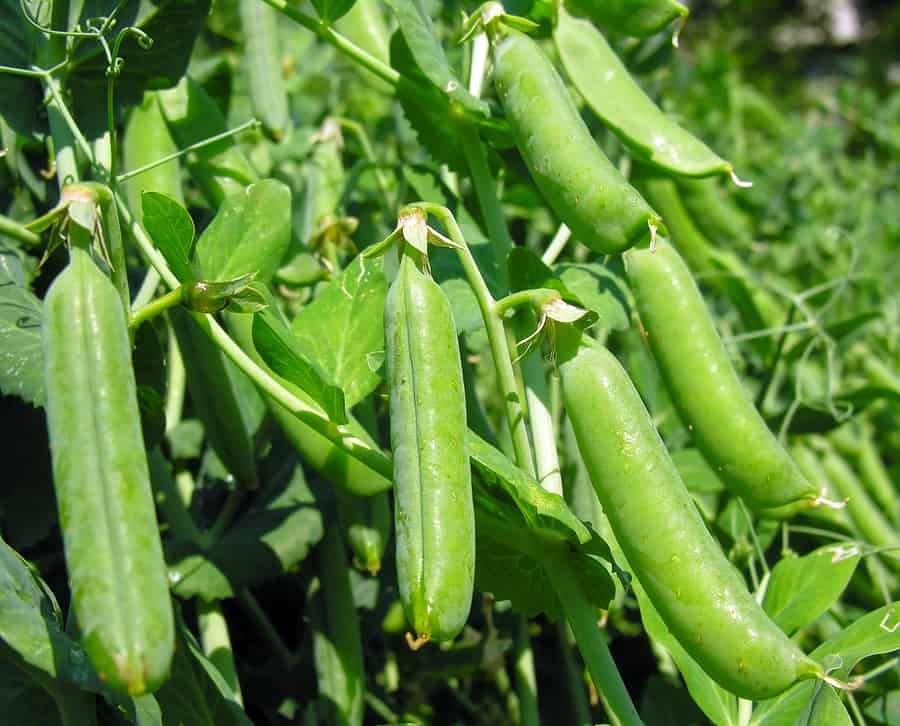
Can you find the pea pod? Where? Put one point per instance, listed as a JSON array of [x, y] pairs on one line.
[[219, 168], [705, 388], [113, 554], [639, 18], [621, 104], [433, 512], [697, 592], [263, 65], [367, 523], [579, 183], [717, 216]]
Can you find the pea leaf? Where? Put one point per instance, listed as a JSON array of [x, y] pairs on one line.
[[31, 626], [802, 588], [280, 350], [343, 326], [20, 97], [809, 702], [196, 693], [268, 540], [250, 233], [331, 10], [21, 356], [172, 231], [517, 524], [599, 289]]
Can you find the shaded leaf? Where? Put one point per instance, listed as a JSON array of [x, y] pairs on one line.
[[21, 356], [171, 229], [331, 10]]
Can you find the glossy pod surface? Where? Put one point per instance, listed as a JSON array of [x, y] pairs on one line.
[[579, 183], [113, 554], [639, 18], [697, 592], [705, 388], [433, 511], [622, 106]]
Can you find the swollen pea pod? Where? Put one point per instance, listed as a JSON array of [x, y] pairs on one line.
[[434, 519], [706, 389], [639, 18], [364, 24], [213, 380], [696, 590], [333, 463], [219, 168], [574, 175], [108, 520], [337, 643], [621, 104], [718, 217]]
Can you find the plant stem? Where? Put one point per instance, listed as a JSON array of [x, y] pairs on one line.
[[147, 290], [18, 232], [557, 245], [176, 382], [341, 42], [526, 680], [154, 308], [590, 641], [580, 707]]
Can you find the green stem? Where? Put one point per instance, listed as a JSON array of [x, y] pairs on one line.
[[776, 358], [265, 627], [232, 506], [574, 677], [154, 308], [216, 642], [535, 298], [176, 382], [341, 42], [557, 245], [341, 436], [497, 338], [488, 201], [18, 232], [526, 680], [147, 291], [590, 641]]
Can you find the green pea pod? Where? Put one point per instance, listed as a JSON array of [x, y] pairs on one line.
[[262, 62], [716, 216], [621, 104], [579, 183], [337, 644], [434, 519], [706, 389], [333, 463], [367, 524], [147, 139], [113, 554], [697, 592], [219, 168], [364, 24], [639, 18]]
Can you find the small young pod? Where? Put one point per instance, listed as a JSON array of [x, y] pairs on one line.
[[698, 593], [640, 18], [434, 515], [106, 513], [579, 183], [705, 388]]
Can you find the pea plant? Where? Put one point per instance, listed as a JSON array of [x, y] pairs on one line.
[[417, 362]]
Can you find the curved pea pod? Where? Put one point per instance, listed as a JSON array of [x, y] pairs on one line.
[[336, 465], [367, 524], [337, 643], [698, 593], [621, 104], [705, 388], [262, 62], [718, 217], [113, 554], [219, 168], [639, 18], [434, 519], [573, 174]]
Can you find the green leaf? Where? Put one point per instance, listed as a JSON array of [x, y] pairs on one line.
[[518, 525], [172, 231], [250, 233], [600, 290], [665, 704], [281, 351], [196, 694], [331, 10], [31, 625], [172, 24], [802, 588], [268, 540], [21, 356], [344, 325], [810, 703], [884, 709], [20, 97], [23, 700]]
